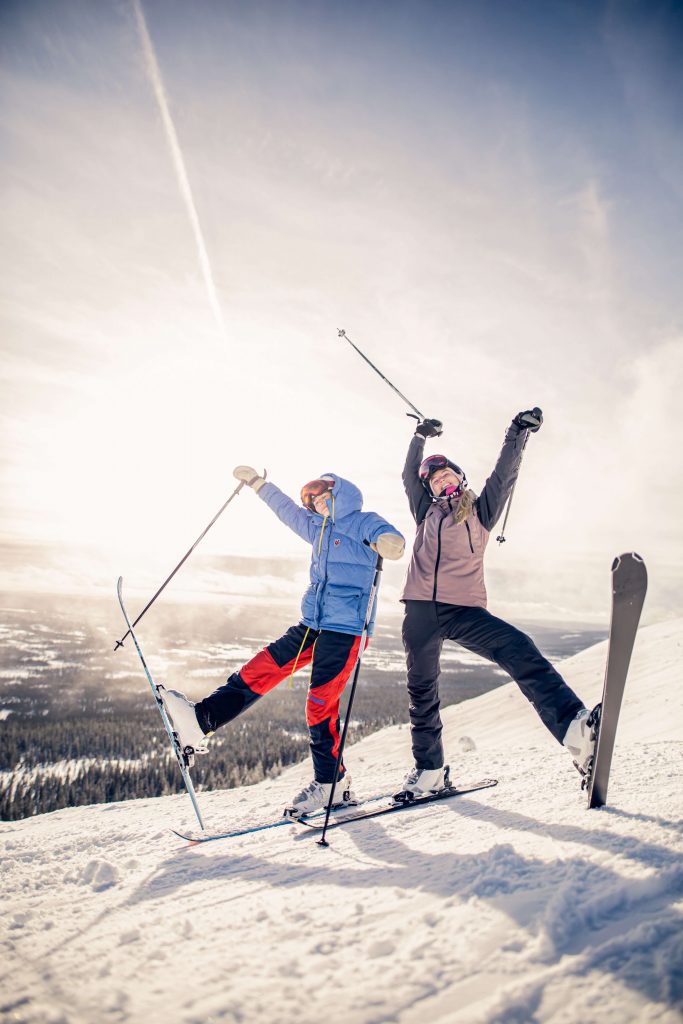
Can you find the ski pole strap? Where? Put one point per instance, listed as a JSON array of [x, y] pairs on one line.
[[119, 643], [298, 655]]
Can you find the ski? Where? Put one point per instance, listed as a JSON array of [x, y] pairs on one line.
[[194, 837], [444, 794], [629, 585], [209, 837], [184, 762]]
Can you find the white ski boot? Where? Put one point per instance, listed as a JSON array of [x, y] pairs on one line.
[[184, 721], [580, 738], [423, 782], [315, 796]]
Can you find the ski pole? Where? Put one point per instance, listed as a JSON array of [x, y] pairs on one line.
[[501, 536], [368, 615], [342, 334], [119, 643]]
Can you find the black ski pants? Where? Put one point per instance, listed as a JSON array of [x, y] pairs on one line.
[[427, 624]]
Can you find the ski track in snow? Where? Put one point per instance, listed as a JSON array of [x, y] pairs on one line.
[[508, 906]]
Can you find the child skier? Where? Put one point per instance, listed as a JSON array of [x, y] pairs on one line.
[[345, 544], [445, 598]]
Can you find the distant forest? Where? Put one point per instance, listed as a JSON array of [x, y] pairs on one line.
[[99, 760], [103, 756], [78, 724]]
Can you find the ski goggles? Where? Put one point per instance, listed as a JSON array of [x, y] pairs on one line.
[[433, 464], [313, 489]]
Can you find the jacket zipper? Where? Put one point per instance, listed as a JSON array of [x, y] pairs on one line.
[[438, 557], [318, 597], [469, 535]]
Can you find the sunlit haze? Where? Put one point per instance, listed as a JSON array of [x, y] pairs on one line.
[[196, 197]]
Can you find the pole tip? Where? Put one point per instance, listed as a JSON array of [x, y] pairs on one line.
[[323, 842], [341, 332]]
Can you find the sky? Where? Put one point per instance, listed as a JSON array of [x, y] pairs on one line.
[[196, 198]]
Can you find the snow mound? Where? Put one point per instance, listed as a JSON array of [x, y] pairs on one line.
[[653, 699], [511, 905]]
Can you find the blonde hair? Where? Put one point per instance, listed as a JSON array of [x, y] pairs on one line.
[[465, 506]]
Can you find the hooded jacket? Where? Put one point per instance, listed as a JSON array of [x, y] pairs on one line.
[[447, 562], [342, 562]]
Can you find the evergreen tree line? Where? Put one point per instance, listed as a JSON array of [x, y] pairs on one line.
[[250, 756], [110, 754]]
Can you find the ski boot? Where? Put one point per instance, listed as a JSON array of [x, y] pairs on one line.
[[316, 795], [189, 736], [423, 782], [580, 739]]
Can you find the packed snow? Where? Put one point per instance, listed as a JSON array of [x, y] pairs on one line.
[[511, 905]]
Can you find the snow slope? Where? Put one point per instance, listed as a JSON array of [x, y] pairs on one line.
[[509, 906]]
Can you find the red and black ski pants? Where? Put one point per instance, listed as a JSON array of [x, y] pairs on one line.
[[332, 657], [427, 624]]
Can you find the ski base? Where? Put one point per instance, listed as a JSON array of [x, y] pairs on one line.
[[399, 805], [629, 586]]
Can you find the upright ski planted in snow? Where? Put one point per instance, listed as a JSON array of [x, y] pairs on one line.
[[183, 761], [629, 584]]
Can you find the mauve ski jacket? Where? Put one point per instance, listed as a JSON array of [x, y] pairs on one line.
[[342, 561], [447, 563]]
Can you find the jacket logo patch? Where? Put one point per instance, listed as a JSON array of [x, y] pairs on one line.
[[337, 542]]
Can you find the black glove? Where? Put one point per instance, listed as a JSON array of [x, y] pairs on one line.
[[429, 428], [529, 420]]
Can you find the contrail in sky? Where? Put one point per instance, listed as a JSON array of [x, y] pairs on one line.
[[178, 162]]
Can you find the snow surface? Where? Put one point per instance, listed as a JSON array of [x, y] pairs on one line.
[[512, 905]]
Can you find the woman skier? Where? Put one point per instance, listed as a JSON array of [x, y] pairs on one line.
[[345, 543], [445, 599]]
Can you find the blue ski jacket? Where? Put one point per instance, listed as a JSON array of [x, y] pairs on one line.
[[342, 563]]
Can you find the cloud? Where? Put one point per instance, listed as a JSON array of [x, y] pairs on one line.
[[423, 184]]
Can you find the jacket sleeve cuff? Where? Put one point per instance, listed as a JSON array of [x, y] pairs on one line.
[[265, 489]]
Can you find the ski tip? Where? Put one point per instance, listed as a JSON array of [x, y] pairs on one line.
[[631, 555], [193, 840]]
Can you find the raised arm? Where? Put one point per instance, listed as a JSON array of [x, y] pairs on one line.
[[287, 511], [496, 490], [418, 499]]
